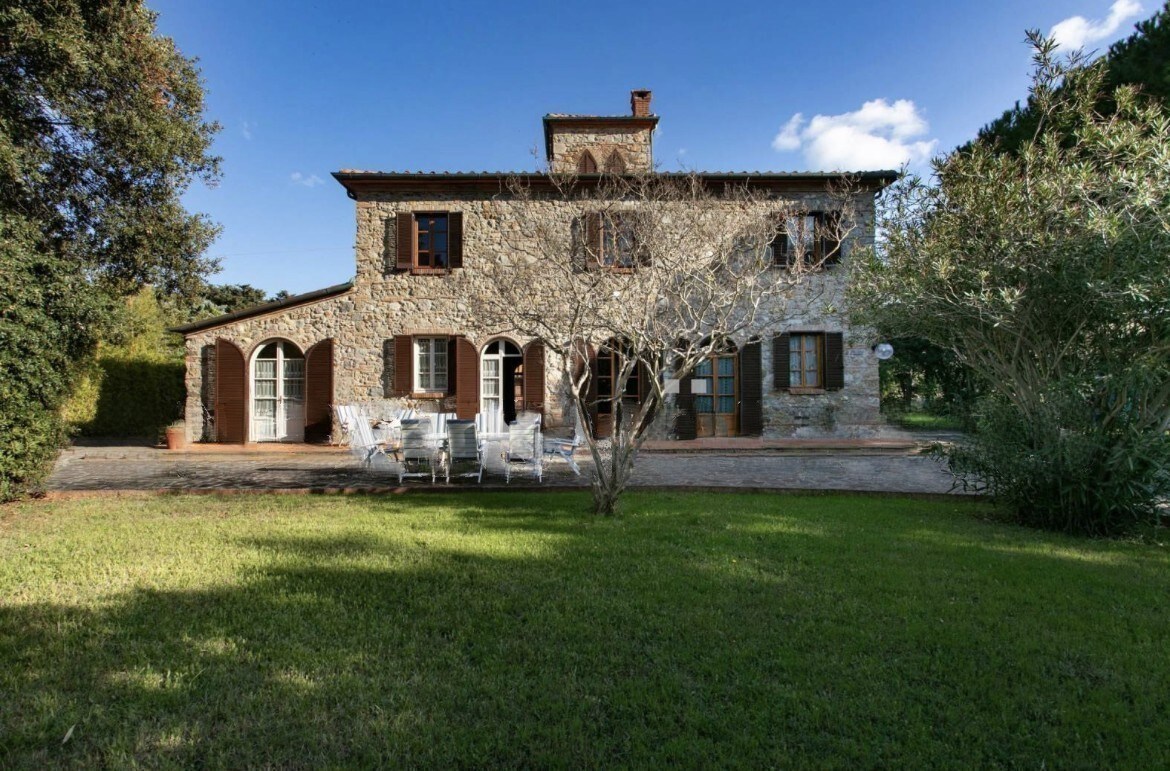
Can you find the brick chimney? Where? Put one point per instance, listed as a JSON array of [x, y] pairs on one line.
[[640, 103]]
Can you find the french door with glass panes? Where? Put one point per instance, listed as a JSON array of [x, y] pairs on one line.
[[716, 396], [499, 379], [278, 394]]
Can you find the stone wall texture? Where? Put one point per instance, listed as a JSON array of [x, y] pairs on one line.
[[634, 145], [384, 303]]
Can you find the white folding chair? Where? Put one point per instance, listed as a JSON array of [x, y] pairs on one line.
[[524, 449], [463, 446], [418, 448], [362, 444]]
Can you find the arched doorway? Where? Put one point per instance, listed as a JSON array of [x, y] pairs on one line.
[[501, 379], [715, 385], [278, 393]]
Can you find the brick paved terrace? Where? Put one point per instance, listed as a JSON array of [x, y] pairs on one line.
[[885, 466]]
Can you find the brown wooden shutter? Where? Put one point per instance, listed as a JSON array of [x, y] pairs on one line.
[[685, 425], [466, 379], [830, 242], [593, 241], [602, 424], [407, 245], [455, 239], [319, 392], [403, 365], [751, 390], [534, 377], [834, 361], [781, 378], [231, 394], [586, 164]]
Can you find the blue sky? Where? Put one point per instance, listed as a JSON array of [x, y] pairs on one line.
[[306, 88]]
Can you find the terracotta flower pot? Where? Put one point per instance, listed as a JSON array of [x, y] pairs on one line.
[[176, 438]]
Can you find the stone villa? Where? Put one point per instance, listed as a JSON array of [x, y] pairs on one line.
[[272, 372]]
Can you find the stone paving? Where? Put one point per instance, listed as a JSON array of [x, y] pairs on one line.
[[82, 469]]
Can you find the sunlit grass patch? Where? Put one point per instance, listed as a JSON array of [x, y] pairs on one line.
[[514, 629]]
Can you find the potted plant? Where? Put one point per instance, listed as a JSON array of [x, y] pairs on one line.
[[177, 435]]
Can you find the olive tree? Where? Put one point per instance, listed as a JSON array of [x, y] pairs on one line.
[[1046, 270], [661, 270]]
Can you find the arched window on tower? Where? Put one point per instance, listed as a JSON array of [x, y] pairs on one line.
[[615, 163], [586, 164]]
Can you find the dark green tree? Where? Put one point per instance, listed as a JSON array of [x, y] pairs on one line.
[[101, 131], [226, 298], [1141, 60]]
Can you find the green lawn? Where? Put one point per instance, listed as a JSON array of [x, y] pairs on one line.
[[510, 629]]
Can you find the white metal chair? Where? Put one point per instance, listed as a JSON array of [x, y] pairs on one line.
[[490, 423], [418, 448], [441, 419], [555, 447], [463, 446], [524, 448], [362, 444]]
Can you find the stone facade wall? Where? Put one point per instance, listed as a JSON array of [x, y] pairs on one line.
[[635, 146], [385, 303]]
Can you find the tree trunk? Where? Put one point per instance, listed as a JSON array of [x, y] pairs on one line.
[[613, 463]]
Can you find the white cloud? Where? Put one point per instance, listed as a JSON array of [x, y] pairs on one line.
[[880, 135], [246, 130], [789, 136], [312, 180], [1077, 31]]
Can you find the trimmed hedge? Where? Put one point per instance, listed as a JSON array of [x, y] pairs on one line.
[[134, 397]]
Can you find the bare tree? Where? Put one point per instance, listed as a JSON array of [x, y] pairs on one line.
[[657, 270]]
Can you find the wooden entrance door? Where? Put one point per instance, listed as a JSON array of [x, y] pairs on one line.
[[716, 390]]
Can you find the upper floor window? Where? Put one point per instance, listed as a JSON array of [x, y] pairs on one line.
[[586, 164], [611, 242], [615, 163], [811, 239], [431, 232], [430, 371], [617, 243], [428, 242]]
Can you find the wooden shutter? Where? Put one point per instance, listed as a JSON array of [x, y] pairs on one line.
[[834, 361], [780, 362], [593, 241], [407, 245], [466, 379], [615, 163], [403, 365], [455, 239], [685, 425], [830, 242], [587, 164], [534, 377], [231, 394], [751, 390], [319, 392]]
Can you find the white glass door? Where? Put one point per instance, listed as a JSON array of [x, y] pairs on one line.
[[278, 394], [498, 381]]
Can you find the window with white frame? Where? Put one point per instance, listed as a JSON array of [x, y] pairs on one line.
[[430, 371]]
